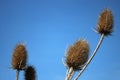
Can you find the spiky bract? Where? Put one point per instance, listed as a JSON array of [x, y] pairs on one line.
[[77, 54], [19, 57], [30, 73], [105, 22]]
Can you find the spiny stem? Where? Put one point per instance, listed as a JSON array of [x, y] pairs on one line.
[[90, 59], [17, 74], [70, 74]]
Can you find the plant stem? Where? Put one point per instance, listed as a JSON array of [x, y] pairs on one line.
[[90, 59], [17, 74], [69, 74]]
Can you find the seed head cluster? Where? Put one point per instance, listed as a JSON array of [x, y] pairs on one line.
[[77, 54], [19, 57], [105, 22], [30, 73]]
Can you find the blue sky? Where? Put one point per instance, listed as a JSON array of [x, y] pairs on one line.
[[49, 27]]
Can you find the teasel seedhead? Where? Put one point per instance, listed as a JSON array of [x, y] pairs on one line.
[[30, 73], [19, 57], [105, 22], [77, 54]]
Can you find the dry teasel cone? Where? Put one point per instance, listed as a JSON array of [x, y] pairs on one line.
[[104, 28], [76, 56], [19, 58], [105, 22], [30, 73]]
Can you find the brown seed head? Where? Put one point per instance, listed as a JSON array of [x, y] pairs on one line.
[[77, 54], [19, 57], [30, 73], [105, 22]]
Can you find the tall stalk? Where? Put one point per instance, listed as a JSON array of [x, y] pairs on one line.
[[17, 74], [90, 59], [69, 74]]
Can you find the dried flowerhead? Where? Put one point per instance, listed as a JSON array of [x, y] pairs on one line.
[[105, 22], [19, 57], [30, 73], [77, 54]]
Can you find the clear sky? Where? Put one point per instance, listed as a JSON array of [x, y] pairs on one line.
[[49, 27]]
